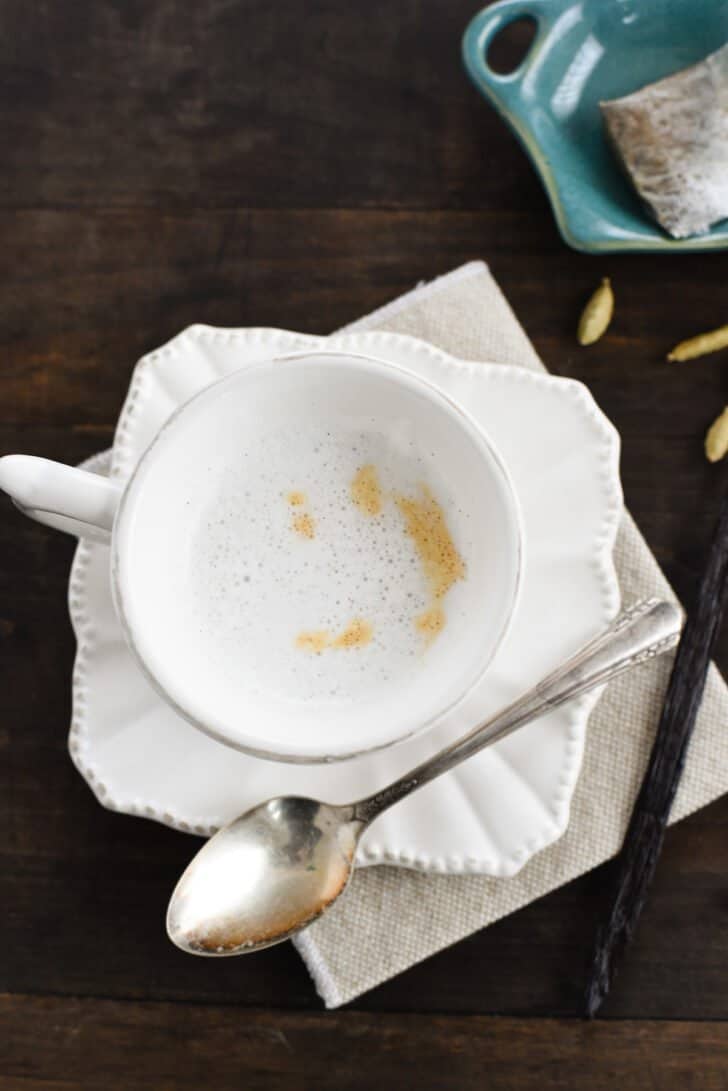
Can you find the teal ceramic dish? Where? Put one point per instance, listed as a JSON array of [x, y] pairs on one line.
[[583, 52]]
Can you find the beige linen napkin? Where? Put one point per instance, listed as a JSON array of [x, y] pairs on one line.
[[349, 951]]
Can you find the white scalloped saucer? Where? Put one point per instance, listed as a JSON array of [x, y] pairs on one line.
[[490, 815]]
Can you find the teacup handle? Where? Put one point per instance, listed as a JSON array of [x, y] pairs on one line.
[[504, 89], [63, 497]]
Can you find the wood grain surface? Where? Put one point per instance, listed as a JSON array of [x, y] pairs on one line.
[[297, 164]]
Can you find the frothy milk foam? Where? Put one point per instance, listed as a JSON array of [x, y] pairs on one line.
[[316, 557], [307, 582]]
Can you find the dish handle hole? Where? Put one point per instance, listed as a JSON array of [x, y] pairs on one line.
[[510, 47]]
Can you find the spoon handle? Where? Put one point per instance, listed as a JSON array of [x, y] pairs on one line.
[[640, 633]]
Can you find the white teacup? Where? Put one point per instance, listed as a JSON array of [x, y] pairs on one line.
[[316, 557]]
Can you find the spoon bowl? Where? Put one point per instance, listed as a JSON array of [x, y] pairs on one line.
[[291, 858]]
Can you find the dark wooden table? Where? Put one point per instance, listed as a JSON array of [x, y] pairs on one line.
[[297, 164]]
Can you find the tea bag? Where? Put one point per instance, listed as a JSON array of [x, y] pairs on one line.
[[672, 139]]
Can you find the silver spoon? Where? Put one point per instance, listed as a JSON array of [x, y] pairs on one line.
[[275, 869]]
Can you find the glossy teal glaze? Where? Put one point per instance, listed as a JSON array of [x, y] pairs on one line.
[[583, 52]]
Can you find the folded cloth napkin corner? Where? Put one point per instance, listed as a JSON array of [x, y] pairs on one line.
[[358, 945]]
